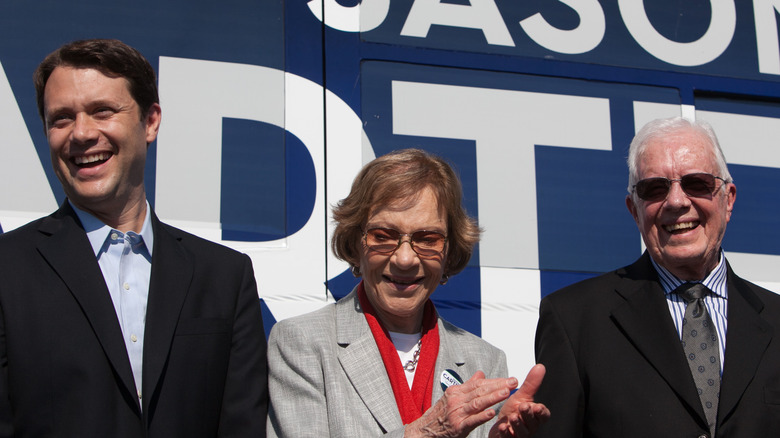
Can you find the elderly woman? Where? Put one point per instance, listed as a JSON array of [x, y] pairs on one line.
[[378, 362]]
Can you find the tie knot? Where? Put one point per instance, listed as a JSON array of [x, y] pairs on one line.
[[134, 238], [691, 292]]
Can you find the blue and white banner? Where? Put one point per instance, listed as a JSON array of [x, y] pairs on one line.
[[270, 108]]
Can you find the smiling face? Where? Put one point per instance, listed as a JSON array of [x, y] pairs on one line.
[[682, 233], [98, 141], [399, 284]]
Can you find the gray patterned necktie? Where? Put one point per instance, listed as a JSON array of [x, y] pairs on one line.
[[700, 343]]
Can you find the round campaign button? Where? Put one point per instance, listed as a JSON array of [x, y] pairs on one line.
[[449, 378]]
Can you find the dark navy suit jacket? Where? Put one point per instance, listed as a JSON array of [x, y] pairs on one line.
[[65, 369], [615, 366]]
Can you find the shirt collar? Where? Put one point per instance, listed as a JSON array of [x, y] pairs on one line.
[[97, 231], [715, 280]]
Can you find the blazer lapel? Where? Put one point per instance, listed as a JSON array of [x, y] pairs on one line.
[[172, 273], [449, 357], [68, 252], [747, 338], [363, 364], [644, 318]]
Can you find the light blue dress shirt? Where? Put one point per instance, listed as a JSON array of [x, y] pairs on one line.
[[716, 302], [126, 262]]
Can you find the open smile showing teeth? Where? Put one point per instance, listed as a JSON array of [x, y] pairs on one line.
[[94, 158], [682, 226], [406, 281]]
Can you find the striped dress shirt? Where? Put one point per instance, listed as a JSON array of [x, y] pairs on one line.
[[715, 302]]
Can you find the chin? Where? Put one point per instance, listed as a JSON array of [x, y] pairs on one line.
[[685, 259]]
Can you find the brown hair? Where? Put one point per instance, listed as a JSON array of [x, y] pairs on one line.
[[113, 58], [400, 176]]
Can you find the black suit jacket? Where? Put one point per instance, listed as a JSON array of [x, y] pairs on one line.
[[65, 369], [615, 366]]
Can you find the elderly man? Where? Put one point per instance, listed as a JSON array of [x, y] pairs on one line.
[[676, 344], [114, 324]]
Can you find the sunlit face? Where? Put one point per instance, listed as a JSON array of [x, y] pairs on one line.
[[398, 285], [682, 233], [97, 138]]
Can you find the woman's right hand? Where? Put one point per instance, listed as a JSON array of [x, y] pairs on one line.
[[462, 408]]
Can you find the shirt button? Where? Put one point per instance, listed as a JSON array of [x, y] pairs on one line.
[[114, 236], [134, 338], [126, 286], [139, 394]]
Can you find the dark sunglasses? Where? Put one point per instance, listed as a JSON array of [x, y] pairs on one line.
[[698, 185], [387, 240]]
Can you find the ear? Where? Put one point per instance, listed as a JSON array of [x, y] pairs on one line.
[[632, 208], [731, 198], [152, 122]]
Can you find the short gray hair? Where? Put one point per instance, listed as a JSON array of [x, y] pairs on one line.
[[661, 127]]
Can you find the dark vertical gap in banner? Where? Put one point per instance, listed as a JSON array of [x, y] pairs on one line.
[[325, 144]]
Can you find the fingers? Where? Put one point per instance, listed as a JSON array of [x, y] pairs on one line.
[[471, 422], [532, 382], [472, 400], [481, 393], [464, 407], [520, 416], [522, 423], [532, 416], [512, 427]]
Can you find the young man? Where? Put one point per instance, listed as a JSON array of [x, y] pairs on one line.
[[113, 323]]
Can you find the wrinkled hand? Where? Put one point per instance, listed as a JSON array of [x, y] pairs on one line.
[[520, 416], [462, 408]]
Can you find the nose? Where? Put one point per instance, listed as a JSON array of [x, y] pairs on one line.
[[677, 196], [84, 129], [405, 256]]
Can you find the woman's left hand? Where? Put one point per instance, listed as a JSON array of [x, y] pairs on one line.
[[520, 416], [462, 408]]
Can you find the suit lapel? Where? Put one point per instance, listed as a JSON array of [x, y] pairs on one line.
[[645, 320], [747, 339], [172, 273], [363, 364], [68, 252], [450, 357]]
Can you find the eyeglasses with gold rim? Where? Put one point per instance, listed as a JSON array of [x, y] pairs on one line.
[[387, 240]]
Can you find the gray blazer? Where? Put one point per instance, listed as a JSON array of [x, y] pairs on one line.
[[326, 376]]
